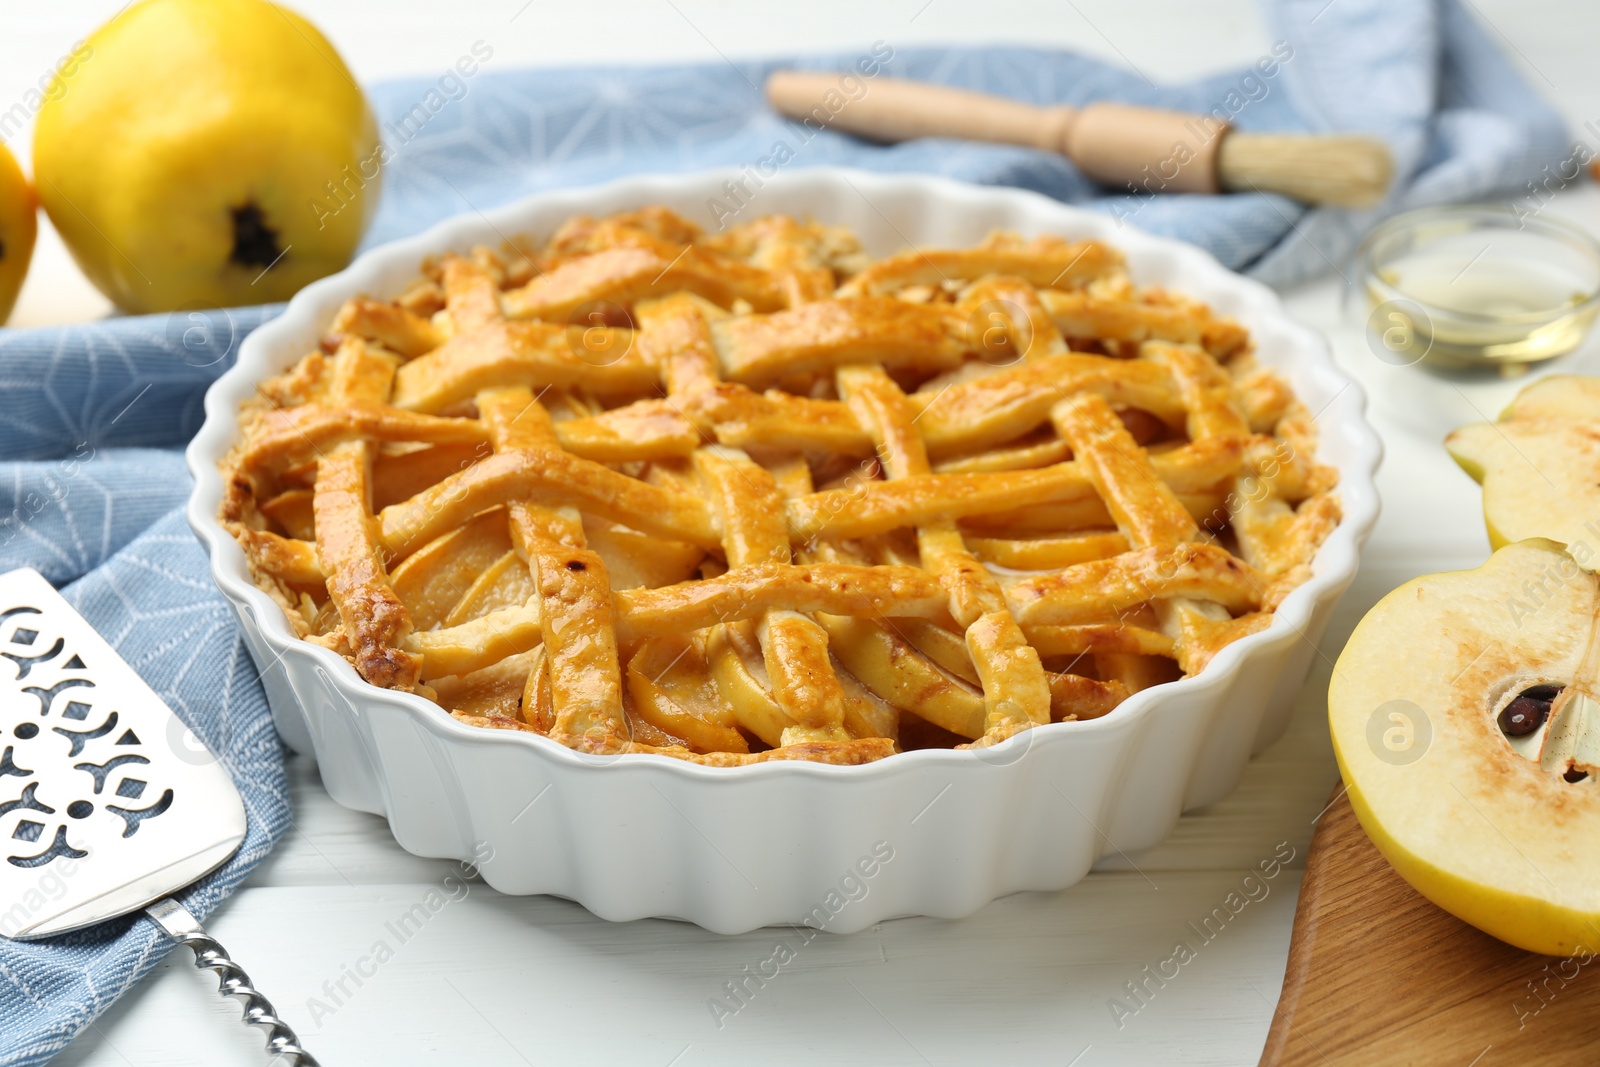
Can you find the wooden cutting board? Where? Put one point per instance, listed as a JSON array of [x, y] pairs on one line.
[[1378, 975]]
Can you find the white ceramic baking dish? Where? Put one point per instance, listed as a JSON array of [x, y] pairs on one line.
[[924, 833]]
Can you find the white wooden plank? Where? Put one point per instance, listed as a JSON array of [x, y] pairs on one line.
[[331, 845], [494, 980]]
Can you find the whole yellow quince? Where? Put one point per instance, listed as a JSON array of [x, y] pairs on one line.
[[208, 153], [18, 226]]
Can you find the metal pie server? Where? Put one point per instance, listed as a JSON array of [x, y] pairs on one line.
[[108, 803]]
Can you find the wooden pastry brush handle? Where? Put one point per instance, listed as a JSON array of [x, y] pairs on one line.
[[1116, 144], [893, 109], [1111, 143]]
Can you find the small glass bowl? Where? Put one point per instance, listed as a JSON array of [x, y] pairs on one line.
[[1476, 286]]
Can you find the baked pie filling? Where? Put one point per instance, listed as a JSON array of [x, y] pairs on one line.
[[753, 495]]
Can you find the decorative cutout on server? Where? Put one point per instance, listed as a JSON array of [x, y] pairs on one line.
[[83, 767]]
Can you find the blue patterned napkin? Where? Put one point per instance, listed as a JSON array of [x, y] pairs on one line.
[[92, 417]]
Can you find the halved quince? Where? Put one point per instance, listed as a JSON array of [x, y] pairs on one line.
[[1466, 725], [1539, 464]]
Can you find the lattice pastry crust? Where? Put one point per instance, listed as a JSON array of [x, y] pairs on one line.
[[752, 495]]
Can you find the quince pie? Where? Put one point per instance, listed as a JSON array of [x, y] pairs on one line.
[[752, 495]]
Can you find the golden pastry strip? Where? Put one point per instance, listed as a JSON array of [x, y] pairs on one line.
[[761, 350], [1079, 314], [1106, 589], [290, 436], [1013, 321], [1001, 407], [1089, 638], [1145, 510], [393, 327], [287, 559], [676, 341], [535, 354], [794, 648], [1274, 539], [740, 418], [877, 507], [751, 496], [375, 622], [1012, 679], [748, 592], [625, 275], [578, 625], [551, 477], [1067, 266], [1143, 506], [1205, 389], [470, 296], [517, 421]]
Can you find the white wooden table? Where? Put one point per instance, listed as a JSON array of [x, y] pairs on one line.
[[494, 980]]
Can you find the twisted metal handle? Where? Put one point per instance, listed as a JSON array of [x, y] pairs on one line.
[[184, 929]]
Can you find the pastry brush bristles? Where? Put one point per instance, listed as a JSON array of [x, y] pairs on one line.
[[1343, 171]]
